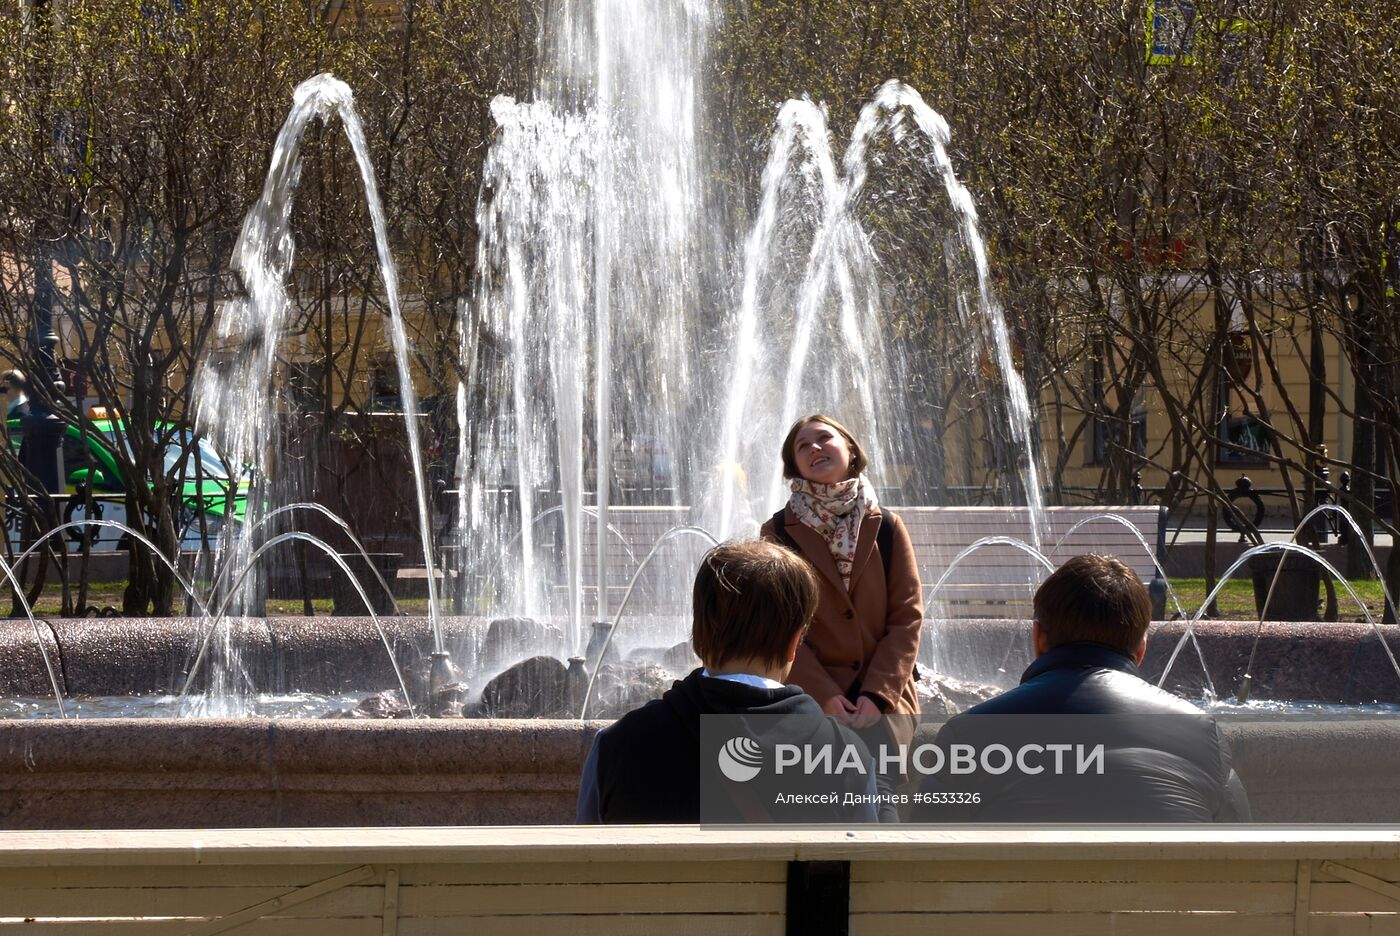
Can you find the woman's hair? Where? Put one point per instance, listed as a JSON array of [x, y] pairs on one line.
[[750, 600], [858, 456]]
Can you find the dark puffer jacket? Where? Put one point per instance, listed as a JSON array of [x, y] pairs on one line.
[[1163, 761]]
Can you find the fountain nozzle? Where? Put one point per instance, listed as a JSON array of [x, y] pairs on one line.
[[441, 673]]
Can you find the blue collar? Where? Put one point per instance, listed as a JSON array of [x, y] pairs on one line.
[[1081, 655], [759, 682]]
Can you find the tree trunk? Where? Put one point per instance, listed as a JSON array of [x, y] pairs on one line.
[[1363, 457], [1363, 488]]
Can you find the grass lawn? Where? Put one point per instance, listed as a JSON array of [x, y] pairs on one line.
[[1236, 600], [104, 595]]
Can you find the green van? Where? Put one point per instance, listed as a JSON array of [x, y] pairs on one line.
[[204, 481]]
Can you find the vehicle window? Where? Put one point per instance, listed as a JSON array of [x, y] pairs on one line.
[[210, 464]]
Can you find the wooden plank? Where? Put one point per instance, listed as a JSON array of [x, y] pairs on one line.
[[456, 901], [273, 878], [953, 542], [713, 924], [1327, 897], [1360, 878], [885, 922], [1301, 899], [1052, 541], [513, 900], [266, 877], [1077, 924], [366, 927], [527, 924], [624, 844], [943, 552], [1387, 870], [300, 895], [964, 590], [1189, 870], [1055, 538], [391, 902], [633, 872], [1059, 897], [146, 899]]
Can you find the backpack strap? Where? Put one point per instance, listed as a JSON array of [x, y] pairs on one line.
[[884, 537], [884, 540]]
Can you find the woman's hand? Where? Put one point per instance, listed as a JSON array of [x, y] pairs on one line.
[[866, 713], [840, 708]]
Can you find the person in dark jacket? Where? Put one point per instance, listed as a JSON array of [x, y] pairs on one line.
[[753, 603], [1163, 759], [14, 392]]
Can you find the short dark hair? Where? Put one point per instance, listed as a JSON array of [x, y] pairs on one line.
[[858, 457], [1096, 599], [750, 600]]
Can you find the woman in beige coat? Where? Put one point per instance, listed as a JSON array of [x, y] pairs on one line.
[[857, 659]]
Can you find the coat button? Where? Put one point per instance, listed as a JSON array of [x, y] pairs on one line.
[[850, 614]]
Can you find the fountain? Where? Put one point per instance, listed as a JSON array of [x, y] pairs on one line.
[[605, 324]]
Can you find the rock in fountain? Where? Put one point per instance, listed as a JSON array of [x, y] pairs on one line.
[[507, 639], [948, 695]]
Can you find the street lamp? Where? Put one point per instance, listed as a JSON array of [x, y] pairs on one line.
[[41, 451]]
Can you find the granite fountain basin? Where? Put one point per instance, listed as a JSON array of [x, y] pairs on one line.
[[1301, 763]]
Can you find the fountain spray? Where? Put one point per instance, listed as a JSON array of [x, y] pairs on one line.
[[235, 404]]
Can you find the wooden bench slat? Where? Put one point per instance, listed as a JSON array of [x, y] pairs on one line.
[[1243, 871], [1073, 896], [1166, 923]]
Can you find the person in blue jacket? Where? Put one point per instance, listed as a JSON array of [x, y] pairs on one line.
[[753, 602]]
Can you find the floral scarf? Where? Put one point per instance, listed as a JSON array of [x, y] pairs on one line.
[[835, 511]]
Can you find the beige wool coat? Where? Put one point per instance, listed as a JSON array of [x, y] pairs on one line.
[[869, 634]]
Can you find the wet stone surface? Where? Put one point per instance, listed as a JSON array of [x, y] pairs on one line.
[[948, 695], [387, 704], [448, 701], [507, 639], [538, 687], [677, 659], [620, 688]]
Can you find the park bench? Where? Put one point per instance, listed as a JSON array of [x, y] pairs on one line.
[[634, 531], [687, 880], [995, 581], [999, 580]]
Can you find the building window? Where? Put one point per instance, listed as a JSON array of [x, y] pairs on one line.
[[306, 384], [1108, 433], [1247, 433], [1246, 439], [384, 385]]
